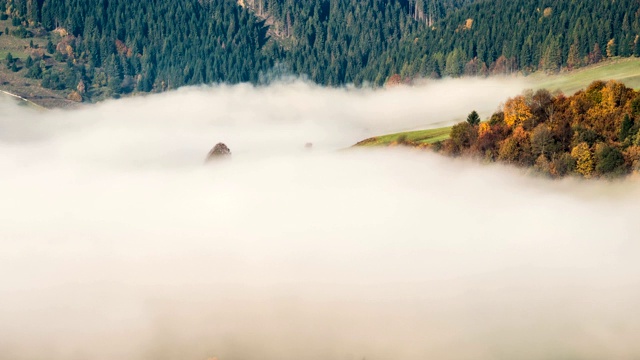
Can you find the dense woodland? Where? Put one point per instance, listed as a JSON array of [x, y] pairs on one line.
[[368, 41], [145, 45], [594, 133], [112, 47]]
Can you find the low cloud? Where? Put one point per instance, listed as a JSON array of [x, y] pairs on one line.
[[117, 242]]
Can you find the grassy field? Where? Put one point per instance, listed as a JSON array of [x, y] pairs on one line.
[[626, 71], [412, 137]]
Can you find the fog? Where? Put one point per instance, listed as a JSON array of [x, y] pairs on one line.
[[118, 242]]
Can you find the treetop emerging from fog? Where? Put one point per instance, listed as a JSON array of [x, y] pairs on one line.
[[594, 133]]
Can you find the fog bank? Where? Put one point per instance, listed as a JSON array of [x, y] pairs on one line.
[[118, 243]]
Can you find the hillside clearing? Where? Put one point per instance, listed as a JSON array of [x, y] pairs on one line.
[[416, 138], [625, 70]]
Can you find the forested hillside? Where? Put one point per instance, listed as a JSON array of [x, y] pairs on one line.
[[503, 36], [103, 48], [336, 42], [144, 45]]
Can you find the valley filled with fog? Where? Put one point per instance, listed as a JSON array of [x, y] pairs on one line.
[[118, 242]]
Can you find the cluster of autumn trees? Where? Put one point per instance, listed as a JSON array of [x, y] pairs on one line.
[[594, 133]]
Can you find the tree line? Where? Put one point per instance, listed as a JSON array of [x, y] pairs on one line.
[[118, 46], [122, 46], [594, 133], [367, 41]]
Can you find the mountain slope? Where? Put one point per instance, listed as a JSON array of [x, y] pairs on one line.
[[147, 45], [94, 49]]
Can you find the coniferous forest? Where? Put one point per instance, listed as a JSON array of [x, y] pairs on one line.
[[113, 47]]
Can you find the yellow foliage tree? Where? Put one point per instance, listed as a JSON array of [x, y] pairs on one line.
[[611, 48], [516, 111], [606, 116], [584, 160], [632, 157], [484, 129], [612, 94], [516, 149]]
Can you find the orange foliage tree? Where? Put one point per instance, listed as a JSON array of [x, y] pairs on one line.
[[516, 111]]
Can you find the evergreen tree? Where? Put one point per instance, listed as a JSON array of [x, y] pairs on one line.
[[50, 47], [625, 127], [473, 118]]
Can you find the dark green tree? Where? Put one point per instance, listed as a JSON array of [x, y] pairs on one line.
[[473, 118], [609, 160], [50, 47], [625, 128]]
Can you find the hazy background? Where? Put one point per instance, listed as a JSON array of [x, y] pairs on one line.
[[116, 242]]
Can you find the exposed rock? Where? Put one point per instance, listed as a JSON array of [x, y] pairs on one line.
[[218, 152]]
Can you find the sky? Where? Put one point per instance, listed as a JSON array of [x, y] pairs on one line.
[[118, 241]]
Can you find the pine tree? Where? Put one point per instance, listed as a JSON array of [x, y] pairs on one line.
[[473, 118], [50, 47]]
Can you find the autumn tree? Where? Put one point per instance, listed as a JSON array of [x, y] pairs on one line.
[[541, 141], [462, 136], [488, 140], [393, 80], [516, 149], [605, 116], [542, 165], [542, 106], [497, 118], [595, 56], [632, 158], [516, 111], [561, 164], [584, 159], [611, 48], [483, 129]]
